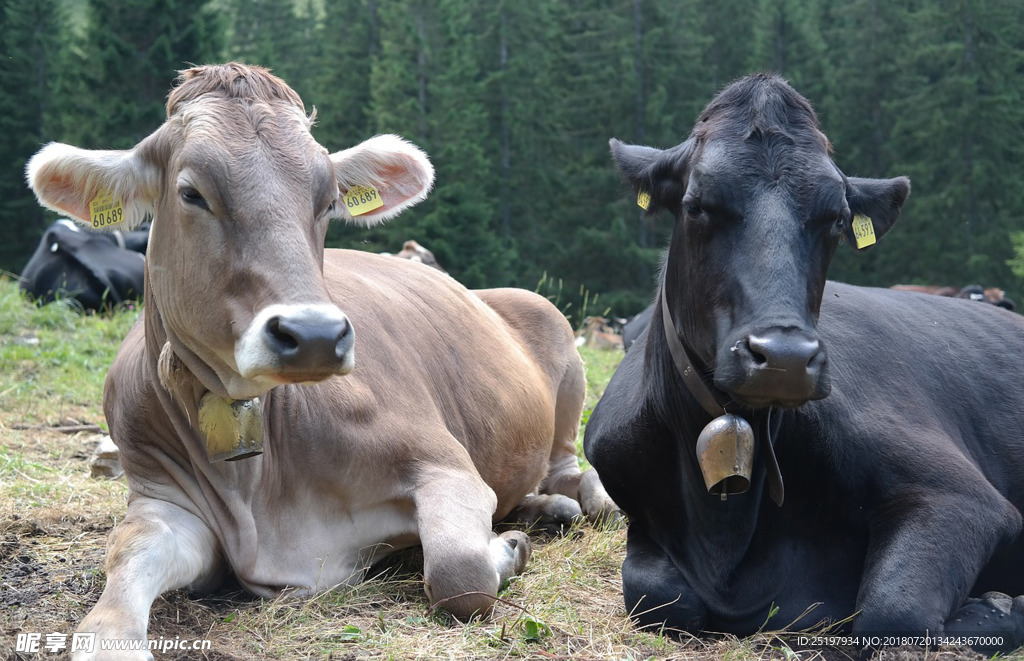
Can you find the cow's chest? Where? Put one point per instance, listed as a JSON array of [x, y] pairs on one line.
[[744, 557], [315, 541]]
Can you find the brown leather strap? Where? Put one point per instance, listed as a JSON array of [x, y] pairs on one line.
[[693, 382]]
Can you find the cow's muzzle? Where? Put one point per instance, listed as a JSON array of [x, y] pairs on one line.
[[296, 344], [782, 367]]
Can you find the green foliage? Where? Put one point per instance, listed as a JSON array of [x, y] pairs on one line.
[[29, 38], [600, 364], [515, 103], [1016, 263], [125, 60], [533, 630], [350, 634]]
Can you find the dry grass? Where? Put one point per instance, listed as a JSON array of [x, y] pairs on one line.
[[54, 520]]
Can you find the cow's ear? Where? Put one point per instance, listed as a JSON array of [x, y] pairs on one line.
[[876, 200], [381, 177], [98, 188], [658, 175]]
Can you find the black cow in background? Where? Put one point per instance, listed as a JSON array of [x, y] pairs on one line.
[[878, 435], [97, 269], [635, 325]]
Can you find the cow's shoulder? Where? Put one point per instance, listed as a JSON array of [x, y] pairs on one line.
[[626, 437], [914, 379], [875, 329]]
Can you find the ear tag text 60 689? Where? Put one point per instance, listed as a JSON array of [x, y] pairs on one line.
[[863, 231], [105, 211], [362, 199]]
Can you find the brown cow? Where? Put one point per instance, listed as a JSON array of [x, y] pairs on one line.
[[597, 334], [993, 295], [413, 251], [460, 406]]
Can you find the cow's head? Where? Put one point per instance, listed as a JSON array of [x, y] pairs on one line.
[[240, 194], [760, 209]]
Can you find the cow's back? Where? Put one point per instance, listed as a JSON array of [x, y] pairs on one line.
[[913, 366], [421, 334]]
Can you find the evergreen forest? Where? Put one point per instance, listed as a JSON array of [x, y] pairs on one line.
[[515, 101]]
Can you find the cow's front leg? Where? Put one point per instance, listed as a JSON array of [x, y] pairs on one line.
[[925, 551], [157, 547], [564, 477], [655, 591], [565, 482], [464, 562]]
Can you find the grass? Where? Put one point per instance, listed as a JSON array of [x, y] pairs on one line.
[[53, 358], [54, 520]]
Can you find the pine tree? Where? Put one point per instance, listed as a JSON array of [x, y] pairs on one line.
[[30, 40], [279, 35], [340, 81], [120, 71], [868, 54], [788, 40], [429, 86], [395, 103], [958, 134]]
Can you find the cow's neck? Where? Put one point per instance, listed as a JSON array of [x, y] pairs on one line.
[[189, 402], [677, 367], [728, 528], [703, 392]]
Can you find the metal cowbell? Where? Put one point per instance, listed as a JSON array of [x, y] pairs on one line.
[[725, 452]]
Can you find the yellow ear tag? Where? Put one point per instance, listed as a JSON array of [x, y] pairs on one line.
[[643, 199], [105, 211], [863, 231], [362, 199]]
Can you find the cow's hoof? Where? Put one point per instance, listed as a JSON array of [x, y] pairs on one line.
[[598, 506], [510, 552], [995, 621], [550, 513]]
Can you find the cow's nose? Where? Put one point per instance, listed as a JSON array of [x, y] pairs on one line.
[[308, 342], [784, 351], [775, 367]]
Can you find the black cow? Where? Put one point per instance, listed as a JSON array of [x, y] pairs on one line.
[[895, 419], [98, 269], [635, 325]]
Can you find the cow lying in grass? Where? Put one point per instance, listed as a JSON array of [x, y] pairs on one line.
[[448, 413], [894, 418]]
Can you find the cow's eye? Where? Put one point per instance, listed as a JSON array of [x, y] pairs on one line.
[[191, 196], [692, 209]]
